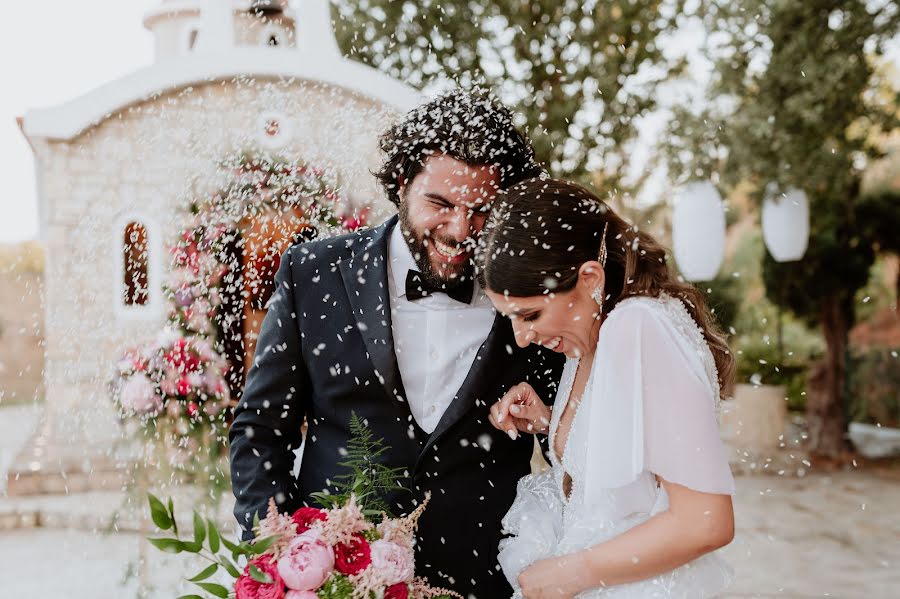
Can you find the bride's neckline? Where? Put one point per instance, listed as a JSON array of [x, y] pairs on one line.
[[572, 367]]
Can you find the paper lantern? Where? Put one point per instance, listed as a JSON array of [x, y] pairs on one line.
[[785, 224], [698, 231]]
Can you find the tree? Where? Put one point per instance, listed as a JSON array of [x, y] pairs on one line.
[[879, 213], [793, 106], [581, 73]]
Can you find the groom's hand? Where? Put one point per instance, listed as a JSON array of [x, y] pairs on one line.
[[520, 410]]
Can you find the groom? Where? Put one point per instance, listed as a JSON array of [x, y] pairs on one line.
[[391, 325]]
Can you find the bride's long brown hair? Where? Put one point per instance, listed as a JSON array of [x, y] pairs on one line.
[[542, 230]]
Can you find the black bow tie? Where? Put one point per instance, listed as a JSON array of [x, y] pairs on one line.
[[417, 288]]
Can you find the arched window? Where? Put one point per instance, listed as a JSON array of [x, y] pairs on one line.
[[192, 39], [272, 36], [136, 262], [189, 35]]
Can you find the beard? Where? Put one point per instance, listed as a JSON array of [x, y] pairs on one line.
[[444, 275]]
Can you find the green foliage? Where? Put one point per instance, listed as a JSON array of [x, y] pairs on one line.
[[879, 215], [204, 532], [338, 586], [873, 387], [836, 265], [756, 327], [760, 363], [581, 73], [794, 107], [364, 475], [724, 295], [875, 296]]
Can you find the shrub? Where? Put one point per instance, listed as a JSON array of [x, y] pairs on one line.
[[873, 387]]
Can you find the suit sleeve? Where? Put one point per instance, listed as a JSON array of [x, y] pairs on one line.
[[267, 422]]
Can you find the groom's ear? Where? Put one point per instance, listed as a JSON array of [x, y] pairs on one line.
[[401, 187]]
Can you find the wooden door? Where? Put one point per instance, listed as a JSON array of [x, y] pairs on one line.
[[265, 238]]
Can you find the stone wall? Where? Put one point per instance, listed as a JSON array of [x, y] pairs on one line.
[[146, 162]]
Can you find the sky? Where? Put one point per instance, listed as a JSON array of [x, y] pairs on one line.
[[54, 51]]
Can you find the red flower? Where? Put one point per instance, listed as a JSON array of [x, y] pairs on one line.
[[305, 516], [397, 591], [183, 387], [192, 409], [353, 557], [182, 356], [247, 588], [351, 224]]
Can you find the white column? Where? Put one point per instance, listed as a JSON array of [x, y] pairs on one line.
[[313, 29], [217, 31]]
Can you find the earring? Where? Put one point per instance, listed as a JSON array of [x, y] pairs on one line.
[[597, 296]]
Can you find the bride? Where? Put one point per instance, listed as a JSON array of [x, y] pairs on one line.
[[639, 492]]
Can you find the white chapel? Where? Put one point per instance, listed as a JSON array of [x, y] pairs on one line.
[[227, 76]]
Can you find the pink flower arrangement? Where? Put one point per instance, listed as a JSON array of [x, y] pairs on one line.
[[335, 553], [174, 374], [306, 563]]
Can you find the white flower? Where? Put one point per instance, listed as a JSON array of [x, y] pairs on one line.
[[138, 395]]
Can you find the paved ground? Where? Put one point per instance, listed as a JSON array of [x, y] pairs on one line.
[[820, 535]]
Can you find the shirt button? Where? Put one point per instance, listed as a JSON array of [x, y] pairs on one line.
[[433, 352]]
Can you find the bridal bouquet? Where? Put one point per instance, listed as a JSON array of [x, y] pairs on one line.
[[334, 552]]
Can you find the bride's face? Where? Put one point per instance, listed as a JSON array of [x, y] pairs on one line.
[[563, 322]]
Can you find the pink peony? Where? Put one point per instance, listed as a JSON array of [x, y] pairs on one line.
[[139, 395], [393, 562], [301, 595], [306, 563]]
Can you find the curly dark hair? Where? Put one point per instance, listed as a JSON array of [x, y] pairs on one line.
[[469, 125]]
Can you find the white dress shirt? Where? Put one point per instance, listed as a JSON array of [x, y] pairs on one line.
[[435, 338]]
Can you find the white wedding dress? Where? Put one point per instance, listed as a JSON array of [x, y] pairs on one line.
[[649, 408]]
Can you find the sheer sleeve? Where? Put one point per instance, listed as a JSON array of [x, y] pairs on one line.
[[652, 406]]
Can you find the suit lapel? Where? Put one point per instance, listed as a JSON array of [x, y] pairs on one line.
[[486, 360], [365, 278]]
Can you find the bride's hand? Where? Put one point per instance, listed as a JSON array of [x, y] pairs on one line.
[[554, 578], [520, 410]]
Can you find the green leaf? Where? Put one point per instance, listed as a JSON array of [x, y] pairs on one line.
[[236, 548], [199, 529], [158, 512], [168, 545], [190, 597], [262, 545], [214, 589], [229, 567], [213, 536], [172, 516], [259, 576], [194, 547], [206, 573]]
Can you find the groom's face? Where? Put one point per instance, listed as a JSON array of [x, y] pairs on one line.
[[442, 211]]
